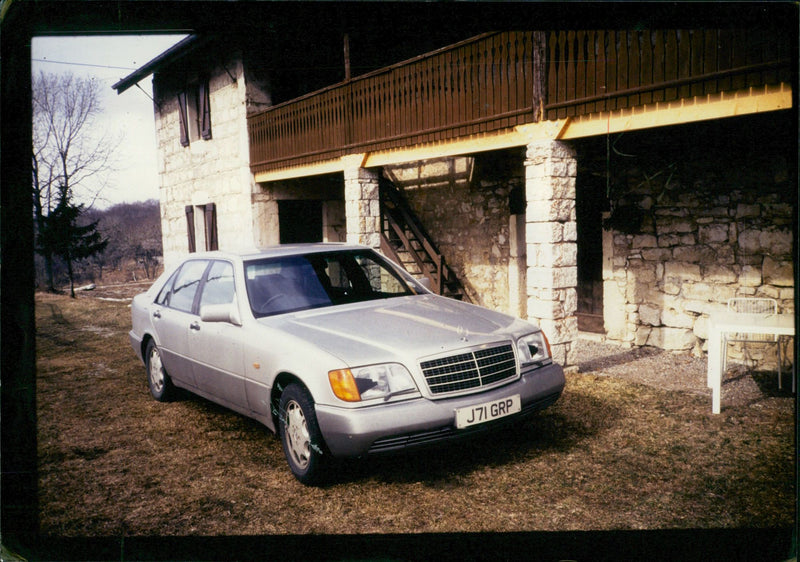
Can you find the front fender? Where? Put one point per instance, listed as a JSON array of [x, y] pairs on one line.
[[270, 353]]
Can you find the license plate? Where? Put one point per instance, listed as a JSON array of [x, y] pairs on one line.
[[488, 411]]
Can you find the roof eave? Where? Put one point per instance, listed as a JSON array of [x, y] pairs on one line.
[[177, 51]]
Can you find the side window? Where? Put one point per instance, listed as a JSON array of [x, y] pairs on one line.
[[218, 288], [186, 284], [166, 291]]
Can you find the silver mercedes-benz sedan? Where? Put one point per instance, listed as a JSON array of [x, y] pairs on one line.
[[338, 350]]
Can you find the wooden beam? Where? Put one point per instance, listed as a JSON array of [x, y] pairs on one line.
[[681, 111], [315, 169], [500, 140]]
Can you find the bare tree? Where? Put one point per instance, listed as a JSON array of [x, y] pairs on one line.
[[70, 160], [133, 231]]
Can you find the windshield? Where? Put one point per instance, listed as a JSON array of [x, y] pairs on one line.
[[299, 282]]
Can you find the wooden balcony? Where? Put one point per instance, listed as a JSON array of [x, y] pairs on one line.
[[483, 84], [499, 80], [593, 71]]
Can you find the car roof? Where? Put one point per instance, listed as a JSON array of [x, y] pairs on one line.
[[277, 251]]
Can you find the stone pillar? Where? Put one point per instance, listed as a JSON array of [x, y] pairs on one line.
[[517, 267], [551, 234], [266, 223], [362, 203]]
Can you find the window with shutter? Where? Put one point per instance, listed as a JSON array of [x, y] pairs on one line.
[[190, 228], [203, 233], [183, 116], [211, 227], [194, 112], [205, 110]]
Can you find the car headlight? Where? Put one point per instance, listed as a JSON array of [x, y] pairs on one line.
[[370, 382], [533, 348]]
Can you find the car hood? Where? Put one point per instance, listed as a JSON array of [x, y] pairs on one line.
[[400, 329]]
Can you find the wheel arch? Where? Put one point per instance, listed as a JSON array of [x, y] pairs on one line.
[[146, 339], [282, 380]]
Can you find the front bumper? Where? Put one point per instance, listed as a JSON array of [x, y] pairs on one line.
[[419, 422]]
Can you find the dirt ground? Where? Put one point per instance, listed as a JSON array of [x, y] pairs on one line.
[[678, 372], [631, 445]]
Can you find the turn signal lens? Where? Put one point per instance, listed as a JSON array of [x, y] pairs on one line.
[[547, 343], [344, 385]]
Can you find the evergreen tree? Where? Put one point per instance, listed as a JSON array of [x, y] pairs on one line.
[[63, 236]]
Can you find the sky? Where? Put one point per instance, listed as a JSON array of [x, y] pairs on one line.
[[130, 114]]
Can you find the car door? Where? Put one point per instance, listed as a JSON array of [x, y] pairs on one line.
[[172, 317], [216, 347]]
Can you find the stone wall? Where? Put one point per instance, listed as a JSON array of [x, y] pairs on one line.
[[467, 214], [699, 215], [207, 171]]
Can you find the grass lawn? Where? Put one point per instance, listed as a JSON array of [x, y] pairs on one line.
[[609, 455]]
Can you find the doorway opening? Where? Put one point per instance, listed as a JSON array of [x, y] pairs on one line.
[[300, 221], [590, 202]]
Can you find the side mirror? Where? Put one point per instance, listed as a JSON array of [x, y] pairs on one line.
[[425, 281], [221, 313]]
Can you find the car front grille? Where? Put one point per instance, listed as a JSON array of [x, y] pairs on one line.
[[472, 369]]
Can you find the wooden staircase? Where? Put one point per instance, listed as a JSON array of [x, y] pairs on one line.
[[404, 240]]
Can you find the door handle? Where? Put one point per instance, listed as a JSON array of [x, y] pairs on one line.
[[156, 314], [194, 326]]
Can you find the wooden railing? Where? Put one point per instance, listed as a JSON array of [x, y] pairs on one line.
[[500, 80], [590, 71], [486, 83]]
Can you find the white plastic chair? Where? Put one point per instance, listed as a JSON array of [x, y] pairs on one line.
[[750, 305]]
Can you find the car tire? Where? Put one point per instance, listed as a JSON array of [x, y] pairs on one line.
[[301, 438], [161, 387]]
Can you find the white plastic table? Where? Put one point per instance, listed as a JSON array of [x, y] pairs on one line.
[[736, 322]]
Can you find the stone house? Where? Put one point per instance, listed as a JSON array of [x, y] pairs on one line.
[[621, 182]]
